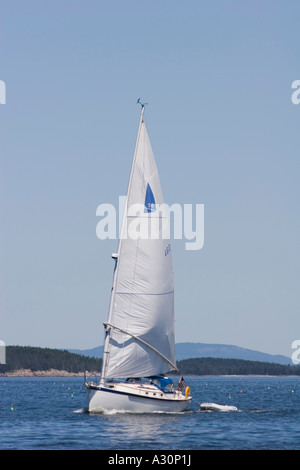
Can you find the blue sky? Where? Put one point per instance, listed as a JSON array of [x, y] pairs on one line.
[[217, 76]]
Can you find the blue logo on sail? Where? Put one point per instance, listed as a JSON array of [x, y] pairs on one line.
[[149, 200]]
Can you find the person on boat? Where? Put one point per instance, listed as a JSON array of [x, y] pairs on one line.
[[181, 383]]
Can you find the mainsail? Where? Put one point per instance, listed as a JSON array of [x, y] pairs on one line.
[[139, 338]]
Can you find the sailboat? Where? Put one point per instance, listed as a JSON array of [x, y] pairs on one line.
[[139, 345]]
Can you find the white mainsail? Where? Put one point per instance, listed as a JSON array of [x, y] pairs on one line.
[[139, 338]]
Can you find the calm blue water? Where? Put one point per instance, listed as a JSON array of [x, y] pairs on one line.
[[48, 414]]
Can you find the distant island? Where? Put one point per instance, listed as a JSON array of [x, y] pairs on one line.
[[219, 366], [28, 361]]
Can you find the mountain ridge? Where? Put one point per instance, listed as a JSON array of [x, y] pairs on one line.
[[189, 350]]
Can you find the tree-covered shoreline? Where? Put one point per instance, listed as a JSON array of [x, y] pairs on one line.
[[47, 361], [219, 366], [44, 359]]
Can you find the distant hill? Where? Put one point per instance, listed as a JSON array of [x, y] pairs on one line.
[[224, 351], [195, 350], [94, 352]]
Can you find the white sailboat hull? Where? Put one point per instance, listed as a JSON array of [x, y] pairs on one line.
[[134, 398]]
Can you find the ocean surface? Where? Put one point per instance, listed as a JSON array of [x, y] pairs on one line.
[[49, 413]]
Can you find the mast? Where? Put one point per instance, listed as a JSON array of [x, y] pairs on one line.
[[115, 257]]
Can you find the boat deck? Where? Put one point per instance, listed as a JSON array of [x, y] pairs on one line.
[[138, 389]]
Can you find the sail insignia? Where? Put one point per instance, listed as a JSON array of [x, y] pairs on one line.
[[150, 205]]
